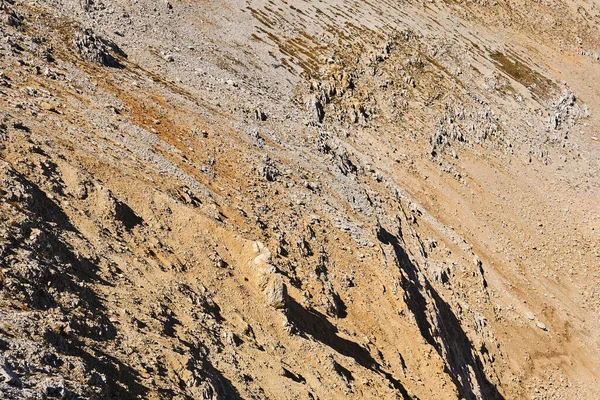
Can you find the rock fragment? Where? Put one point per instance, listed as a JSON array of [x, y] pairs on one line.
[[260, 115], [541, 325], [96, 49], [315, 107], [276, 292]]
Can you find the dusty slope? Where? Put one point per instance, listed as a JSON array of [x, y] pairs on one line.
[[300, 200]]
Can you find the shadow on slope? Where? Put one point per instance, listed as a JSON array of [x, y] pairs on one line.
[[451, 342], [50, 275], [310, 322], [221, 387]]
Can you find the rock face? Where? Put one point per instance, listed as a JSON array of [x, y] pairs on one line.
[[315, 107], [96, 49], [276, 293], [267, 279], [306, 200]]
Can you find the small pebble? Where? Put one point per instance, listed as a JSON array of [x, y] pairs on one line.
[[541, 325]]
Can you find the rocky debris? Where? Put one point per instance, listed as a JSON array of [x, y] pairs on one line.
[[304, 247], [260, 115], [97, 49], [9, 15], [188, 197], [8, 376], [334, 306], [219, 261], [86, 5], [55, 388], [344, 162], [268, 169], [463, 125], [122, 278], [41, 272], [315, 108], [565, 111]]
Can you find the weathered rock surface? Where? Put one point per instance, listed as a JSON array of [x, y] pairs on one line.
[[322, 200]]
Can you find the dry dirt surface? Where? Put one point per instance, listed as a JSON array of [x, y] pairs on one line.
[[294, 199]]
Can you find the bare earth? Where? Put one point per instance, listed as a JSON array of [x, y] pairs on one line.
[[294, 199]]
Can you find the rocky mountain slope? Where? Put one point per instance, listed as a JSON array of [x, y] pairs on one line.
[[299, 200]]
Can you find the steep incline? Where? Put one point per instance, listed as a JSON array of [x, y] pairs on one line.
[[291, 200]]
